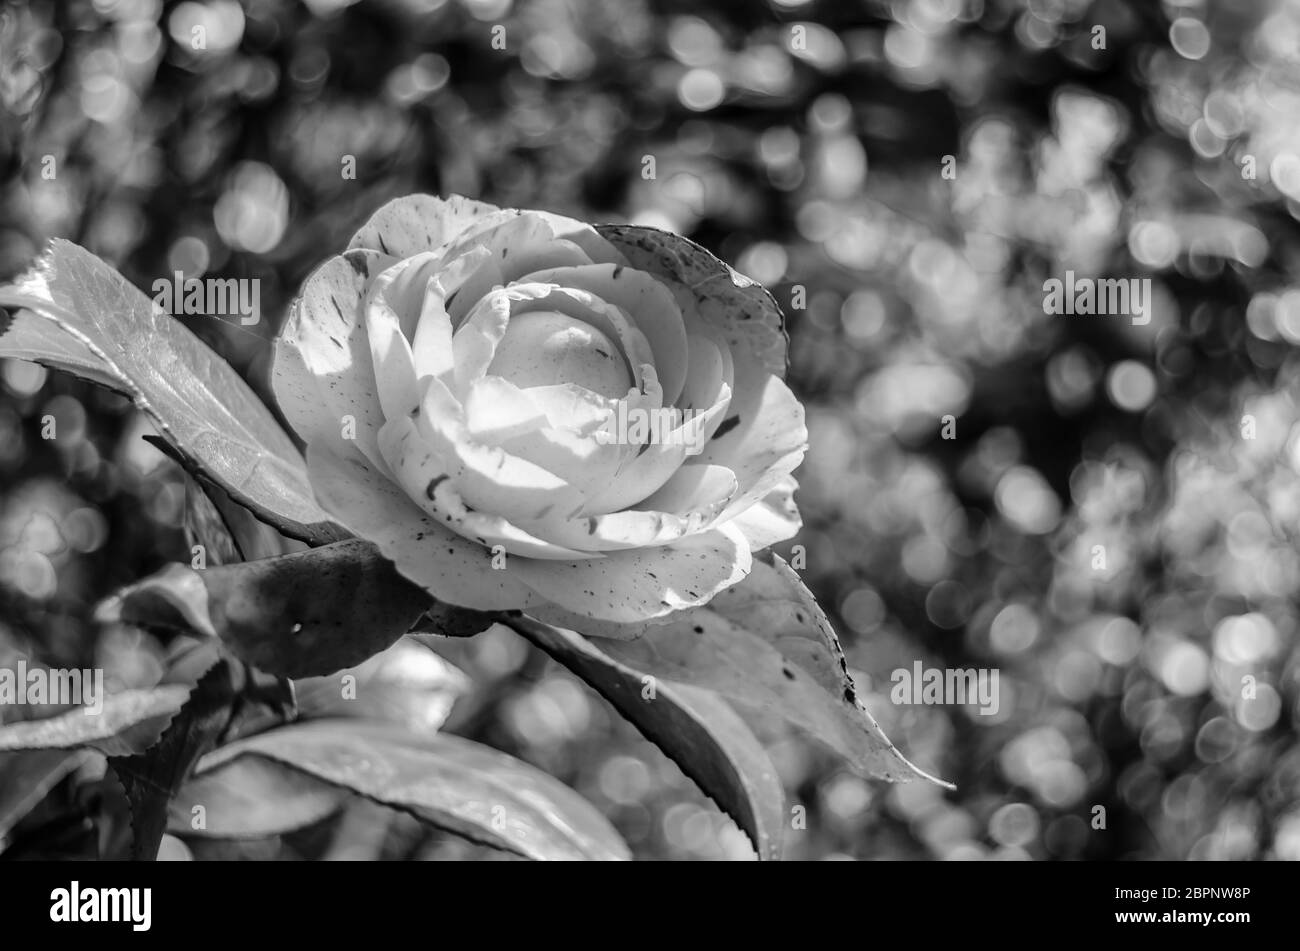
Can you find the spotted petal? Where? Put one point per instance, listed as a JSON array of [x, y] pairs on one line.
[[642, 583], [372, 506]]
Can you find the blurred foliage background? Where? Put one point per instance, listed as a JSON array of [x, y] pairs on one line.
[[806, 142]]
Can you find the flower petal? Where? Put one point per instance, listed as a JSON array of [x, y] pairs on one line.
[[475, 342], [556, 253], [422, 476], [390, 349], [762, 439], [643, 583], [771, 519], [572, 407], [322, 370], [708, 372], [414, 223], [487, 477], [496, 409], [507, 234], [586, 237], [646, 301], [582, 461], [496, 238], [609, 319], [486, 277], [655, 463], [691, 501], [707, 289], [431, 346], [694, 488], [375, 508], [510, 231]]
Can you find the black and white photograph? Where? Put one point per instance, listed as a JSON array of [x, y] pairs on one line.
[[666, 431]]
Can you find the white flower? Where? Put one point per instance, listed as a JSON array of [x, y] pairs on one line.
[[456, 374]]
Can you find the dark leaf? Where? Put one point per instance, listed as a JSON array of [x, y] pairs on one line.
[[206, 528], [151, 779], [229, 701], [695, 728], [299, 615], [227, 531]]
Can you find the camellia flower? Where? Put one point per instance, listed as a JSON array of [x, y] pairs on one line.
[[472, 384]]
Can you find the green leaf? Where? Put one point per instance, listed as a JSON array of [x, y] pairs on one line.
[[767, 647], [695, 728], [130, 722], [303, 614], [105, 330], [407, 684], [447, 781], [251, 798]]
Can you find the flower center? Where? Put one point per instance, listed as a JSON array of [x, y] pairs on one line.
[[543, 348]]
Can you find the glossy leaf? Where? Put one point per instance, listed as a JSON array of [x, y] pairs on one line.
[[250, 798], [720, 656], [26, 336], [695, 729], [451, 783], [104, 329], [766, 645]]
